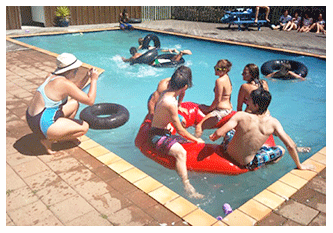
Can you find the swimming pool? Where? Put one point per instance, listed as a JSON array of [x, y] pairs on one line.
[[300, 106]]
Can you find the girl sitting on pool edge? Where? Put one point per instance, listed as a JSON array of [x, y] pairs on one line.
[[50, 114]]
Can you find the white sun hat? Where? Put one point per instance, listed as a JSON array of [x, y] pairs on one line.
[[65, 62]]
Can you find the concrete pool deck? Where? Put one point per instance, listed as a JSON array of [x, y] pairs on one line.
[[88, 185]]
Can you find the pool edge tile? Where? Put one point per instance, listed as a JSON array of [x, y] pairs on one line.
[[238, 218], [199, 217], [120, 166], [163, 195], [255, 209], [269, 199], [181, 206], [134, 174]]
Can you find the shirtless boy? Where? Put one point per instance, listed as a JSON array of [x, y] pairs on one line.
[[251, 132], [166, 111]]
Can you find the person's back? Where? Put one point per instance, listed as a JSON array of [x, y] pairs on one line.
[[251, 133]]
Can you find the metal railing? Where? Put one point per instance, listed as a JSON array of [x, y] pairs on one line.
[[156, 12]]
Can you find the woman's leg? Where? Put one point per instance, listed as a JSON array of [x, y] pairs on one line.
[[208, 122]]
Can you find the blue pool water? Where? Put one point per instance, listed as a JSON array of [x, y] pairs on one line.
[[300, 106]]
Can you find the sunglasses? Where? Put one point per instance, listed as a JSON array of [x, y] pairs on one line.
[[219, 69]]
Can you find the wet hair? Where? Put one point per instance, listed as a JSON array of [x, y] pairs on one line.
[[133, 51], [180, 78], [254, 72], [140, 40], [262, 98], [224, 63]]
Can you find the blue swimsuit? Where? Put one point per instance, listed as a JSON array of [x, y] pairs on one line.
[[40, 123]]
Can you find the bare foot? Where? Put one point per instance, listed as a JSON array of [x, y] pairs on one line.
[[303, 149], [189, 189], [48, 146], [268, 20]]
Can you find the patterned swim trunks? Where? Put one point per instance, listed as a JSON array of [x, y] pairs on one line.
[[264, 155], [162, 140]]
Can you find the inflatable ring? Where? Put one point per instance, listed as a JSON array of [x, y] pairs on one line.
[[274, 65], [146, 58], [134, 20], [119, 115], [147, 40], [170, 63]]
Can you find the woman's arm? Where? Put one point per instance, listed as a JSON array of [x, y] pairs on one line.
[[76, 93]]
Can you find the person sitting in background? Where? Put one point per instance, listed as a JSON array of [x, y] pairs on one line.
[[267, 9], [284, 19], [285, 73], [294, 23], [319, 25], [306, 23], [50, 114], [123, 20]]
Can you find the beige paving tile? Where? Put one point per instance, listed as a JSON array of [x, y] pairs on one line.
[[323, 151], [30, 215], [269, 199], [30, 168], [148, 184], [219, 224], [163, 195], [238, 218], [55, 193], [319, 157], [88, 144], [98, 151], [282, 189], [92, 218], [92, 188], [120, 166], [19, 197], [108, 158], [133, 175], [13, 181], [71, 208], [305, 174], [293, 180], [200, 218], [181, 206], [255, 209], [318, 166]]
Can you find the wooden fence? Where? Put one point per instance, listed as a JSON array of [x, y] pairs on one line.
[[80, 15]]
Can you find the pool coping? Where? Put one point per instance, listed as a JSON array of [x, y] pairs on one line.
[[251, 212]]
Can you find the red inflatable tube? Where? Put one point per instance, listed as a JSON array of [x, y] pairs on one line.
[[201, 157]]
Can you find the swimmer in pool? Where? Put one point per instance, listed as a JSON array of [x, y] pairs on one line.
[[176, 57], [50, 114], [245, 134], [166, 112], [253, 82], [221, 105]]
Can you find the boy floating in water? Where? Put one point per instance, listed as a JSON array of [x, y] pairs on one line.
[[166, 111], [244, 145]]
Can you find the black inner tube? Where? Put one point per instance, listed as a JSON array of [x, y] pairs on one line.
[[275, 65], [118, 115], [147, 40], [168, 64], [146, 58]]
